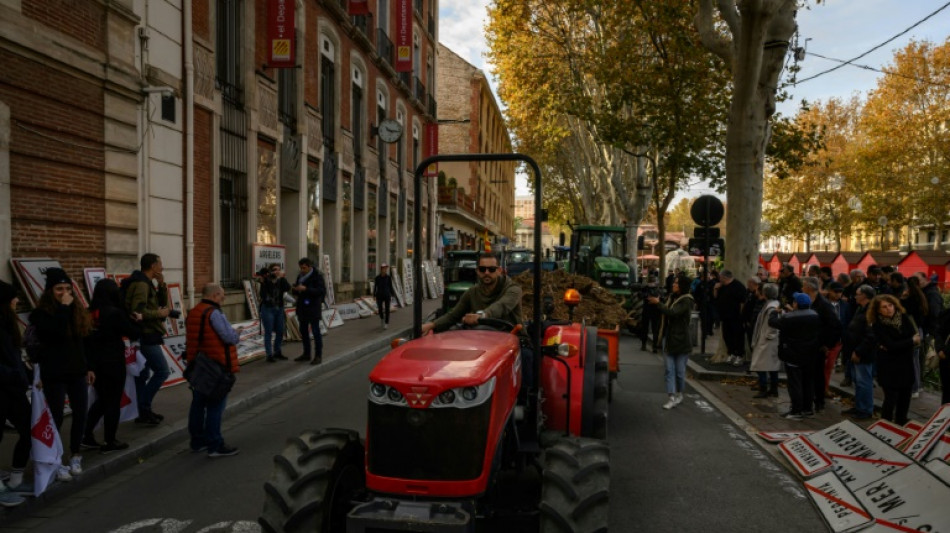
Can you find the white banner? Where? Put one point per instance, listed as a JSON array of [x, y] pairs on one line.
[[47, 450]]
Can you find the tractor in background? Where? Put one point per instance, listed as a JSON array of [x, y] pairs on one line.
[[456, 441], [459, 273]]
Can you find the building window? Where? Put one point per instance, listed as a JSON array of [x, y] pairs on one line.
[[229, 22], [232, 196], [381, 147], [287, 97], [401, 147], [267, 196], [415, 147], [356, 118], [371, 236], [313, 211], [410, 230], [168, 108], [382, 16], [346, 220], [328, 92]]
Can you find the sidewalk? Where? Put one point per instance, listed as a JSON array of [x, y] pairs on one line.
[[257, 382], [735, 386]]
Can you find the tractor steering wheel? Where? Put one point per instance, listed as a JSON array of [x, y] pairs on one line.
[[492, 323]]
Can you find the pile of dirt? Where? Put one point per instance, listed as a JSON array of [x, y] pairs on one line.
[[598, 307]]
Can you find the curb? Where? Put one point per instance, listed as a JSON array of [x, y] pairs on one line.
[[166, 435]]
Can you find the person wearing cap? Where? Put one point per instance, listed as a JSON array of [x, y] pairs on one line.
[[14, 406], [383, 293], [61, 326], [798, 349]]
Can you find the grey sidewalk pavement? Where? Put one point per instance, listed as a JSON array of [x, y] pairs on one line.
[[257, 382], [733, 386]]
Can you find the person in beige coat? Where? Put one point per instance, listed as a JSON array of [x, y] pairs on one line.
[[765, 359]]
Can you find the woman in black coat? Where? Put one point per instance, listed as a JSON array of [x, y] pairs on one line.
[[14, 382], [896, 337], [105, 353], [61, 324]]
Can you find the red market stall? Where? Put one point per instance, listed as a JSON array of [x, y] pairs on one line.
[[879, 259], [773, 265], [927, 261], [795, 261], [821, 259], [845, 262]]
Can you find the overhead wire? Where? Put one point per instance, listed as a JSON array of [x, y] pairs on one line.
[[849, 61], [882, 71]]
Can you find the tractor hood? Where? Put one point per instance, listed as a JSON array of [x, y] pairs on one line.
[[458, 358], [611, 264]]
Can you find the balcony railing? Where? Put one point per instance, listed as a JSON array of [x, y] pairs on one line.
[[431, 106], [362, 23], [456, 197], [418, 89], [384, 46]]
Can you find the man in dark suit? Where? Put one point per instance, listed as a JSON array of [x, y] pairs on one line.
[[310, 290]]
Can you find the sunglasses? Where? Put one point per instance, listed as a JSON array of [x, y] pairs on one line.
[[487, 269]]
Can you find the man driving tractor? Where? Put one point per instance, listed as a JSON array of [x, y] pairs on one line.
[[495, 296]]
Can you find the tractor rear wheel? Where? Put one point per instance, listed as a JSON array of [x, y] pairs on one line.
[[601, 390], [314, 482], [575, 488]]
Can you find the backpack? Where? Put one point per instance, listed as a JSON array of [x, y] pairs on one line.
[[31, 342]]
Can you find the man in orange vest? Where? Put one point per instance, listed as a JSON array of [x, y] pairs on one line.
[[209, 331]]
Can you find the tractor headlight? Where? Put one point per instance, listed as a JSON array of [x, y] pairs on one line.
[[453, 297], [608, 282], [463, 397], [625, 283], [385, 395], [447, 397], [395, 396]]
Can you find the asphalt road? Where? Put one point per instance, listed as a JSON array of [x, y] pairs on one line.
[[689, 469]]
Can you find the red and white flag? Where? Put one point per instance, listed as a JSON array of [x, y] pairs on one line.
[[47, 449], [134, 360], [128, 404]]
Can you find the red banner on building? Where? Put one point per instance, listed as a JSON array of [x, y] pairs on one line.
[[281, 34], [432, 148], [403, 36], [358, 7]]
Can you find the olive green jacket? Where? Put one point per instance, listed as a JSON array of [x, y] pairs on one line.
[[503, 303], [674, 326]]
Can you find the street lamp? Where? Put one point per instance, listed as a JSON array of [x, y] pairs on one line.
[[882, 220]]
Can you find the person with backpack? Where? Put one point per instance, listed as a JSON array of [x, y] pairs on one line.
[[14, 407], [105, 350], [143, 297], [61, 324]]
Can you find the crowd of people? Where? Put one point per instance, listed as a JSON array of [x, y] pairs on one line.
[[876, 327], [75, 349]]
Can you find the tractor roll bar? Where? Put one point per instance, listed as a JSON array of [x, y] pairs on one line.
[[417, 231]]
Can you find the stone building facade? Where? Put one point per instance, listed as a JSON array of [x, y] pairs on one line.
[[475, 199], [157, 125]]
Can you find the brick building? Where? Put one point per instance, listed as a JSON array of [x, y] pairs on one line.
[[158, 126], [474, 198]]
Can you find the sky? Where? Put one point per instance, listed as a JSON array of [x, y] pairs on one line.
[[840, 29]]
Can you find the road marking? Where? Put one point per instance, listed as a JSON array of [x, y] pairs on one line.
[[704, 406], [171, 525], [168, 525]]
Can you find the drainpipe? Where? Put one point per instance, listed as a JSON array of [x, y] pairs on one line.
[[189, 109], [146, 150]]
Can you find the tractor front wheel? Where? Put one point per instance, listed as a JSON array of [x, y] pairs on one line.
[[575, 489], [314, 482]]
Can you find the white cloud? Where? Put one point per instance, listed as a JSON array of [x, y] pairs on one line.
[[462, 29]]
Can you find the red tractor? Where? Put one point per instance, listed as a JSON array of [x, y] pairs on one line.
[[455, 440]]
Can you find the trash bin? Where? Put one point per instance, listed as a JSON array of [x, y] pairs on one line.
[[694, 326]]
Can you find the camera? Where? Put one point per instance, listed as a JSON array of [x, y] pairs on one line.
[[174, 313]]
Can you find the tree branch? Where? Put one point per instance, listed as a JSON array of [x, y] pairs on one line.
[[730, 14], [710, 38]]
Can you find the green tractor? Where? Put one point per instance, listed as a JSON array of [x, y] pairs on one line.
[[600, 253], [460, 272]]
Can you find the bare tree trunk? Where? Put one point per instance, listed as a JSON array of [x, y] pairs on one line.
[[760, 31]]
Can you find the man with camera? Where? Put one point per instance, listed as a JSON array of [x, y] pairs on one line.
[[650, 316], [274, 286], [146, 294]]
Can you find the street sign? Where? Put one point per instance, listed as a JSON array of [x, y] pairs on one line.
[[890, 432], [930, 435], [707, 210], [860, 458], [697, 247], [781, 436], [839, 507], [702, 233], [807, 459], [910, 499]]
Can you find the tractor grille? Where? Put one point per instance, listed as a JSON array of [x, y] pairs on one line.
[[445, 444]]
